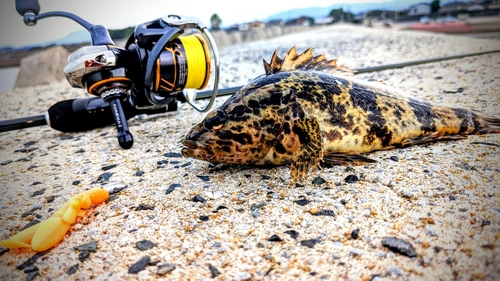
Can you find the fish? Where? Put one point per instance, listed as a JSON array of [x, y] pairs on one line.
[[307, 110]]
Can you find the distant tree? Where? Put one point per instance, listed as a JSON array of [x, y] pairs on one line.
[[337, 14], [215, 21], [435, 6]]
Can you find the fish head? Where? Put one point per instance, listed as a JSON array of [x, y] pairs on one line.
[[242, 130]]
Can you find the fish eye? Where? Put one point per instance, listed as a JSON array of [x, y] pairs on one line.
[[216, 120]]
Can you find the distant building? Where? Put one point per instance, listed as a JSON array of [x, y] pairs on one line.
[[275, 23], [419, 9], [325, 20], [453, 7]]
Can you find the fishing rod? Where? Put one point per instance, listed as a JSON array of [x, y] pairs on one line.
[[78, 115]]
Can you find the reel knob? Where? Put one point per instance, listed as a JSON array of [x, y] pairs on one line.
[[113, 97]]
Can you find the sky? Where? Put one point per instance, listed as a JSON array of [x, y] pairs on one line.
[[116, 14]]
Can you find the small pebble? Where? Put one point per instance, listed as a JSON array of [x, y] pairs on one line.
[[102, 178], [294, 234], [73, 269], [451, 197], [144, 245], [109, 167], [38, 192], [143, 207], [204, 178], [355, 233], [140, 265], [172, 187], [213, 271], [485, 223], [309, 243], [139, 173], [274, 238], [318, 181], [173, 155], [399, 246], [76, 182], [301, 202], [329, 213], [83, 255], [91, 247], [164, 268], [6, 162], [265, 177], [351, 179], [204, 218], [198, 198], [394, 158]]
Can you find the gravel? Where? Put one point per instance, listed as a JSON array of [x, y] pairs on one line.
[[387, 199]]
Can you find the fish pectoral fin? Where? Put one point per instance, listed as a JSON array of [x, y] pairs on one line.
[[431, 138], [344, 159], [308, 153]]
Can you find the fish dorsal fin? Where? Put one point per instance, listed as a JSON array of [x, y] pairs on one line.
[[304, 61]]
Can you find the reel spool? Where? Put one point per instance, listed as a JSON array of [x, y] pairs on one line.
[[175, 53]]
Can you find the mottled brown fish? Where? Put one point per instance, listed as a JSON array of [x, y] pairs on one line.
[[302, 112]]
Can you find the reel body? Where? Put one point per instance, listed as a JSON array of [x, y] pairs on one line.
[[161, 59]]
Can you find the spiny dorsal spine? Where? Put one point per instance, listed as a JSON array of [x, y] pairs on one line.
[[304, 61]]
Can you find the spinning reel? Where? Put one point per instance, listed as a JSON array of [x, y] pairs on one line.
[[162, 59]]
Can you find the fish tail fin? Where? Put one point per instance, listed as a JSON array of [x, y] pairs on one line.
[[487, 124]]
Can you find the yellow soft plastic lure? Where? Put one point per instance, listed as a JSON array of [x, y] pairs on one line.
[[46, 234]]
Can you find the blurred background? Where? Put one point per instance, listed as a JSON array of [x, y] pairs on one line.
[[230, 23]]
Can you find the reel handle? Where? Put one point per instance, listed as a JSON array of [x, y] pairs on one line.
[[113, 97]]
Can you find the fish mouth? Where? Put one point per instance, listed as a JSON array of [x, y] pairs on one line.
[[196, 150]]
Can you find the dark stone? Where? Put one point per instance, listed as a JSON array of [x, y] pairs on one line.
[[485, 222], [204, 218], [256, 207], [83, 255], [399, 246], [220, 208], [355, 233], [437, 249], [274, 238], [140, 265], [38, 192], [30, 143], [452, 198], [31, 260], [91, 247], [265, 177], [144, 245], [109, 167], [6, 162], [30, 224], [173, 155], [162, 162], [143, 207], [73, 269], [343, 202], [81, 150], [394, 158], [351, 179], [77, 182], [30, 268], [102, 178], [172, 187], [198, 198], [301, 202], [309, 243], [294, 234], [139, 173], [204, 178], [329, 213], [3, 250], [214, 271], [318, 180], [36, 183]]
